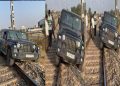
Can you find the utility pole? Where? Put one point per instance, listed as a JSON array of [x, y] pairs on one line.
[[82, 10], [116, 7], [12, 15]]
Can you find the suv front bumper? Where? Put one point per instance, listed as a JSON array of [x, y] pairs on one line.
[[71, 58], [110, 44], [25, 56]]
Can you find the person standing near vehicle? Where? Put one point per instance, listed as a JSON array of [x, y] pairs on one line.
[[92, 25], [53, 26], [46, 31], [46, 26], [50, 24], [86, 29], [95, 23]]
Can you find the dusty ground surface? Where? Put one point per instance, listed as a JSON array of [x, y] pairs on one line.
[[8, 76], [92, 64], [112, 67]]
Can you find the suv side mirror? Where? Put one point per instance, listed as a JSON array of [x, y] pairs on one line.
[[5, 36]]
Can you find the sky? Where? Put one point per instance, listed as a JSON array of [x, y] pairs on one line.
[[98, 5], [27, 13]]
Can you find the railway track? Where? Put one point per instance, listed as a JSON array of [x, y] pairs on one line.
[[31, 72], [50, 67], [92, 73], [21, 74], [112, 67], [69, 75], [92, 65], [9, 77]]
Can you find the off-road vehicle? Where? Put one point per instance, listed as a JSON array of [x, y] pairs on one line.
[[70, 38], [108, 31], [15, 45]]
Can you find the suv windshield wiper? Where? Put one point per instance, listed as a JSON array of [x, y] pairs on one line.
[[17, 36]]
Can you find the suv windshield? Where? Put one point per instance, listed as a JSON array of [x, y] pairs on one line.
[[71, 20], [110, 19], [15, 35]]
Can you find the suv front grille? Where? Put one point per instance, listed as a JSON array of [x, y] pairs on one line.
[[111, 35], [70, 44], [26, 48]]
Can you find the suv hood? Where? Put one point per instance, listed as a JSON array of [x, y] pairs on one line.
[[76, 34], [23, 41]]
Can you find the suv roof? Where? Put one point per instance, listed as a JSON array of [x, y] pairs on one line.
[[72, 13], [110, 19], [108, 13], [8, 30]]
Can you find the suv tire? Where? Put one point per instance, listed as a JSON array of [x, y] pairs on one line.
[[101, 45], [57, 60], [10, 61]]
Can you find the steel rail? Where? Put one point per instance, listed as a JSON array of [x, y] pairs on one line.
[[113, 52], [38, 74], [103, 67], [28, 79], [78, 75]]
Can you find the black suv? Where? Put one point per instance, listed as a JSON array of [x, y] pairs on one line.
[[15, 45], [70, 44], [109, 31]]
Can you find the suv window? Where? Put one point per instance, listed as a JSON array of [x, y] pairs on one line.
[[110, 19], [71, 20], [15, 35]]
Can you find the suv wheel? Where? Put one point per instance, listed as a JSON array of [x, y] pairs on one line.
[[10, 61], [58, 60], [101, 45]]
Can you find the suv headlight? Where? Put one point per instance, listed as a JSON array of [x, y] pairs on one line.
[[82, 47], [105, 29], [15, 46], [78, 43], [63, 37], [59, 37], [15, 49], [18, 45], [116, 34], [34, 46]]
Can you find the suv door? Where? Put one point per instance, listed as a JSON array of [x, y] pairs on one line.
[[4, 43]]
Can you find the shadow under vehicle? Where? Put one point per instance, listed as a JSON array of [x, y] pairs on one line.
[[15, 45], [70, 38], [108, 31]]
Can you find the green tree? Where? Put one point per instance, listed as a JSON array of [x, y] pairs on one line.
[[77, 9], [112, 12]]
